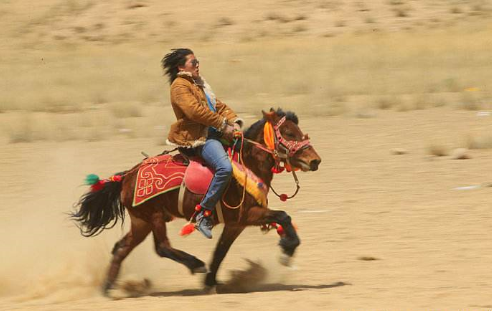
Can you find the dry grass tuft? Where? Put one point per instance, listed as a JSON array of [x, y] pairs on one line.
[[388, 102], [401, 11], [299, 28], [340, 23], [483, 141], [278, 17], [470, 100], [437, 149], [421, 101], [460, 154], [396, 2], [456, 10], [126, 109], [368, 258], [224, 21]]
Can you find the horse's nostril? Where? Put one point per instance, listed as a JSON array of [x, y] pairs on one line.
[[314, 164]]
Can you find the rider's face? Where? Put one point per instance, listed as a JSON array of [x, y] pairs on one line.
[[192, 66]]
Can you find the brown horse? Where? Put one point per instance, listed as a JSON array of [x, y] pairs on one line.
[[101, 209]]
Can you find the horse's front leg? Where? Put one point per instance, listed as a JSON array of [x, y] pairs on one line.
[[289, 241], [229, 235]]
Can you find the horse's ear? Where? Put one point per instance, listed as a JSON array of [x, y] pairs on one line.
[[269, 116]]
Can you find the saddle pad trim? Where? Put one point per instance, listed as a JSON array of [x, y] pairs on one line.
[[182, 189], [157, 194], [220, 215]]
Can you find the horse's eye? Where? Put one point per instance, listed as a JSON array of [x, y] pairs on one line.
[[289, 134]]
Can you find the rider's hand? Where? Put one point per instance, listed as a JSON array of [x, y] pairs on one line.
[[228, 133], [237, 127]]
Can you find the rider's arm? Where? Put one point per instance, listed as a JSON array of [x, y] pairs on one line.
[[182, 97], [227, 112]]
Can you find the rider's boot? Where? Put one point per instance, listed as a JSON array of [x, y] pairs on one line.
[[204, 222]]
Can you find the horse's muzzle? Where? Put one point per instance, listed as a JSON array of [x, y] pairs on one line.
[[313, 165]]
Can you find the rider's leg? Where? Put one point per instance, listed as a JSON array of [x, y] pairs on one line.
[[214, 155]]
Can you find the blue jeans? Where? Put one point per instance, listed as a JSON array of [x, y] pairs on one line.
[[214, 155]]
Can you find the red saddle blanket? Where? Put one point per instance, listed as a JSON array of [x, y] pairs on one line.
[[160, 174], [157, 175]]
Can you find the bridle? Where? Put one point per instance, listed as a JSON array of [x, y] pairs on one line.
[[282, 151], [283, 148]]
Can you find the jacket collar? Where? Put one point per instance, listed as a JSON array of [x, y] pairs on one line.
[[200, 81]]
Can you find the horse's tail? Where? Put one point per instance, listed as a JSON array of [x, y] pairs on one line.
[[100, 208]]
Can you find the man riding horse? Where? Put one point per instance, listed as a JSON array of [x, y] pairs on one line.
[[202, 122]]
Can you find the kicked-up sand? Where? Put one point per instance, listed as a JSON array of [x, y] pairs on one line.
[[387, 90]]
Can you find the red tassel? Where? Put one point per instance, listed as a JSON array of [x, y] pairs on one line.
[[97, 186], [277, 169], [283, 197], [280, 230], [187, 229], [116, 178]]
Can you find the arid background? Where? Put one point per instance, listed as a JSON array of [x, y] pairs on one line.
[[396, 96]]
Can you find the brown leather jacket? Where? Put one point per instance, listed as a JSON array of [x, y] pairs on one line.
[[193, 113]]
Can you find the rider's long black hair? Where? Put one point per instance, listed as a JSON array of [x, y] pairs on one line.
[[170, 62]]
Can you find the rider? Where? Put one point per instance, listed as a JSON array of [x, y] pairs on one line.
[[202, 121]]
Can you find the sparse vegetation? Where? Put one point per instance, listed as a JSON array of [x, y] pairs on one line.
[[225, 21], [386, 102], [481, 141], [394, 74], [470, 100], [437, 149], [126, 109]]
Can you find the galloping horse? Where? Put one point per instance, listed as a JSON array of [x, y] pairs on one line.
[[101, 209]]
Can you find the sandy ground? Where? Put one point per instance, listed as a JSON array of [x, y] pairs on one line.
[[379, 231]]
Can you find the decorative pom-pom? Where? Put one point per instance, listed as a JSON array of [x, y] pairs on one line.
[[116, 178], [97, 186], [283, 197], [280, 230], [277, 169], [187, 229], [91, 179]]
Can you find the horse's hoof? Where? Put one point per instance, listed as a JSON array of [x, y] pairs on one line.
[[210, 290], [285, 260], [106, 289], [201, 269]]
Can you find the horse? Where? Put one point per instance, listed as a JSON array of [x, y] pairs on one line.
[[101, 209]]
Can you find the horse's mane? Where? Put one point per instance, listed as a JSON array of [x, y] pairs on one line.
[[258, 125]]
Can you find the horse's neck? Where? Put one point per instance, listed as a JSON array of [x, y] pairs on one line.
[[260, 163]]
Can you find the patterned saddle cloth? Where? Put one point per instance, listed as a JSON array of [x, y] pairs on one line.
[[163, 173]]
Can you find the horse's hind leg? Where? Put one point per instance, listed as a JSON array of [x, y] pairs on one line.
[[229, 235], [138, 232], [163, 248]]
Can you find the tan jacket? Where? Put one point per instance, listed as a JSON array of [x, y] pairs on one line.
[[193, 113]]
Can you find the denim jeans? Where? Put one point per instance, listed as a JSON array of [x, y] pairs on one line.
[[214, 155]]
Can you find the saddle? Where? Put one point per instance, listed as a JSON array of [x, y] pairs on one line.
[[164, 173]]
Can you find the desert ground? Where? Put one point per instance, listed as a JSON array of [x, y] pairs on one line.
[[395, 95]]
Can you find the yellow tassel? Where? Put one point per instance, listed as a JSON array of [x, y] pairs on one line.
[[251, 185]]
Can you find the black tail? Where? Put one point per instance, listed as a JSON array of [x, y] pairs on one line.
[[99, 210]]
